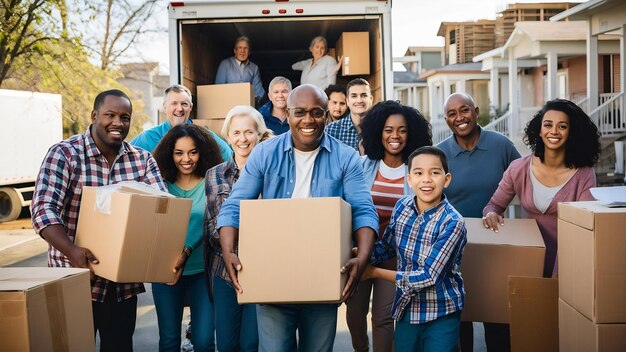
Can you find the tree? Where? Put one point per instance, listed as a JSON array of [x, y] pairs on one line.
[[24, 27], [110, 28]]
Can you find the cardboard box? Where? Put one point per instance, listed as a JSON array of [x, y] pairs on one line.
[[45, 309], [534, 314], [288, 255], [214, 125], [579, 334], [215, 100], [136, 232], [592, 260], [355, 49], [488, 261]]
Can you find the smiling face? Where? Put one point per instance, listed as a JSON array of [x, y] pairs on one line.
[[554, 130], [318, 49], [111, 122], [337, 105], [177, 107], [242, 50], [359, 99], [461, 116], [427, 179], [306, 118], [243, 135], [278, 95], [394, 134], [186, 155]]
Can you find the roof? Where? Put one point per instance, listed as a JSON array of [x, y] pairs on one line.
[[585, 9], [406, 77], [442, 33], [553, 31], [138, 66], [468, 67], [428, 49]]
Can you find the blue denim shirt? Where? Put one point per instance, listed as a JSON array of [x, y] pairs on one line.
[[149, 139], [271, 172]]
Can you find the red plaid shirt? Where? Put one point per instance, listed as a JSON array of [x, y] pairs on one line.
[[70, 165]]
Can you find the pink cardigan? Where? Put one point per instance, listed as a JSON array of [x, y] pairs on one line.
[[516, 181]]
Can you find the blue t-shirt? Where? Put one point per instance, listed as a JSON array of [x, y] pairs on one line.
[[476, 173], [149, 139], [195, 262]]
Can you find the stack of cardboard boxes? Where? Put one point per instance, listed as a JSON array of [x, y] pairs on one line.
[[592, 277]]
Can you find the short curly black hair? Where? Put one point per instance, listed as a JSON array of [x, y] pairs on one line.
[[418, 129], [582, 147], [210, 153]]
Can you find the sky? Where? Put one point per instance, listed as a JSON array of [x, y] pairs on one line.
[[414, 23]]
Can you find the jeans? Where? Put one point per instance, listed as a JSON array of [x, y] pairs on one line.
[[439, 335], [115, 321], [236, 326], [497, 337], [316, 325], [169, 301]]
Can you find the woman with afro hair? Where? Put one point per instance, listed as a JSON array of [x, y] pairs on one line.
[[565, 145], [390, 133]]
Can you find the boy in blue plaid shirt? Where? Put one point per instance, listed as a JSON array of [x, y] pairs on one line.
[[427, 235]]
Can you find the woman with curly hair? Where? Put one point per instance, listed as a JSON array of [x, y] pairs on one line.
[[565, 145], [390, 133], [236, 328], [184, 155]]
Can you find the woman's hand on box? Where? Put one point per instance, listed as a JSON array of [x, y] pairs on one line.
[[491, 221], [180, 264]]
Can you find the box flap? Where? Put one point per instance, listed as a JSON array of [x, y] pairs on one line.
[[104, 193], [515, 232], [21, 279], [583, 213]]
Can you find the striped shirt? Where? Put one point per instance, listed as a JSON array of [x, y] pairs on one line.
[[386, 192], [429, 247], [219, 183], [70, 165], [345, 132]]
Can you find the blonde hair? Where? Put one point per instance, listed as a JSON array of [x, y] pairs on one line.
[[246, 110]]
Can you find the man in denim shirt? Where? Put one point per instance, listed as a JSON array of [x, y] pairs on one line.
[[304, 162]]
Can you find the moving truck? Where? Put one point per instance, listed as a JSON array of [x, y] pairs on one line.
[[31, 124], [202, 33]]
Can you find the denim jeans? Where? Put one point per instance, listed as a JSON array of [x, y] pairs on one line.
[[236, 326], [169, 302], [316, 325], [439, 335]]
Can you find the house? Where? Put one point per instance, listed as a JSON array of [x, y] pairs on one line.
[[144, 79], [408, 88], [605, 75]]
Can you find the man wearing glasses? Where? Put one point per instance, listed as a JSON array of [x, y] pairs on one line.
[[310, 164]]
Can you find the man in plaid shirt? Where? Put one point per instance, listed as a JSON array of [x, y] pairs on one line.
[[97, 157], [347, 130]]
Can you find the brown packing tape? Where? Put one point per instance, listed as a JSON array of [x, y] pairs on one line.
[[56, 316], [162, 204]]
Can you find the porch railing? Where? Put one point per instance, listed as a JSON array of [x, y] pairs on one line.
[[440, 130], [609, 116], [501, 124]]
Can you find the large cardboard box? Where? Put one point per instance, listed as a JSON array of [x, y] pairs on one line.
[[136, 232], [534, 314], [45, 309], [579, 334], [592, 260], [291, 250], [214, 125], [215, 100], [355, 49], [488, 261]]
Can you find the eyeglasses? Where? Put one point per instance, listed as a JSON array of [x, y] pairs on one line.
[[315, 113]]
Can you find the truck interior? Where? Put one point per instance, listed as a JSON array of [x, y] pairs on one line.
[[276, 43]]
